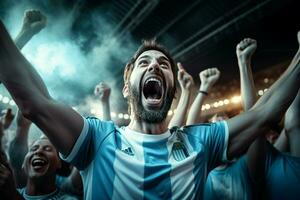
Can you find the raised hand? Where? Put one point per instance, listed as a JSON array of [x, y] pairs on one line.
[[7, 118], [208, 78], [246, 48], [102, 90], [185, 80], [7, 186], [33, 22]]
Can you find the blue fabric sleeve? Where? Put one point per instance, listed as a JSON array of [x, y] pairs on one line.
[[213, 137], [229, 182], [92, 135]]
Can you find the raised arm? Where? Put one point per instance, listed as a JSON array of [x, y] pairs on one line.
[[268, 110], [255, 156], [60, 123], [292, 126], [7, 184], [282, 143], [18, 148], [244, 51], [102, 91], [208, 78], [33, 22], [186, 82], [5, 122]]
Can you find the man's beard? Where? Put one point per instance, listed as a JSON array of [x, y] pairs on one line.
[[149, 116]]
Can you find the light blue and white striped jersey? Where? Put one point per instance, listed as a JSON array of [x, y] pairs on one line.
[[232, 182], [119, 163]]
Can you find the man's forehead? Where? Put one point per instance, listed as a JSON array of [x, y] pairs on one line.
[[42, 141], [152, 54]]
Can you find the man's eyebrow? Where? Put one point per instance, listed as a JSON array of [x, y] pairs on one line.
[[164, 58], [159, 58], [145, 56]]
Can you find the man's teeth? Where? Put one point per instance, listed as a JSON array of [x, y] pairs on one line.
[[155, 80], [38, 161]]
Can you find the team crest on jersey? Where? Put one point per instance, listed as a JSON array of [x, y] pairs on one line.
[[179, 151]]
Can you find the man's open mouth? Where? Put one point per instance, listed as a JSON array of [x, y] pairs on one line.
[[153, 90], [38, 163]]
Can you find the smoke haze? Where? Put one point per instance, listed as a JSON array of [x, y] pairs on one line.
[[75, 51]]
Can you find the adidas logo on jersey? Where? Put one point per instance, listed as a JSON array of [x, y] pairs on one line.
[[128, 151]]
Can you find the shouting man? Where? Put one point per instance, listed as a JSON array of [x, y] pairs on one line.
[[145, 159]]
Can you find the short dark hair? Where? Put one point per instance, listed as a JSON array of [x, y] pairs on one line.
[[146, 46]]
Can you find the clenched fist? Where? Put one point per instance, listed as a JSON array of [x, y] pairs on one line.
[[208, 78], [33, 22], [102, 90], [185, 80], [246, 48]]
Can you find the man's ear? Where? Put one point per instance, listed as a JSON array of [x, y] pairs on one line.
[[125, 91]]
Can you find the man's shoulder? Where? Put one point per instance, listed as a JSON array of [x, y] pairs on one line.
[[187, 128], [99, 129], [100, 125], [92, 119], [197, 126], [190, 132], [192, 129]]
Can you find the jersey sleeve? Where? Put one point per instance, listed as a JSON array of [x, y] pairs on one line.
[[229, 182], [213, 137], [93, 133]]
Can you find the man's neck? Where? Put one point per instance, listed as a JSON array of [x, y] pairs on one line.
[[40, 186], [148, 128]]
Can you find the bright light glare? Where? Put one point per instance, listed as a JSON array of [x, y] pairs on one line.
[[120, 115], [5, 100], [126, 116], [236, 99], [113, 114]]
